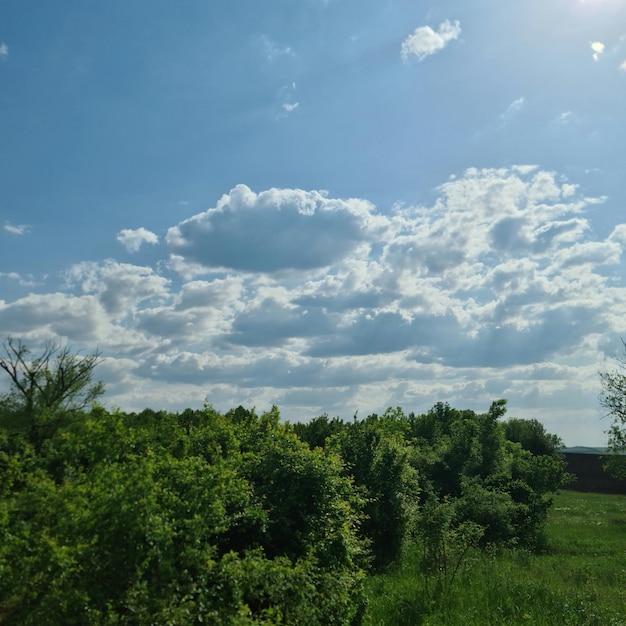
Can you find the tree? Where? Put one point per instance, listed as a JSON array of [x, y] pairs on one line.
[[532, 436], [467, 466], [613, 400], [54, 382], [379, 461]]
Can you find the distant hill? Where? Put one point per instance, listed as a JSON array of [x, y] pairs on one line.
[[583, 450]]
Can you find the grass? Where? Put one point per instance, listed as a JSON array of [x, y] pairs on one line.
[[580, 579]]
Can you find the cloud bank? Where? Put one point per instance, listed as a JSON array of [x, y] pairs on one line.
[[497, 289]]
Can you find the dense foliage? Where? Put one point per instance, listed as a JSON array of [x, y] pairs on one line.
[[174, 519], [532, 436], [444, 475], [238, 518]]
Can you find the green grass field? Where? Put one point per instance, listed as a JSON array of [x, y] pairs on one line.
[[579, 579]]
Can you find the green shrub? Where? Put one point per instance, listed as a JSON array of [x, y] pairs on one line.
[[379, 461], [166, 519]]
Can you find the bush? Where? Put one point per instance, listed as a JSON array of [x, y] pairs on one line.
[[161, 519], [379, 461]]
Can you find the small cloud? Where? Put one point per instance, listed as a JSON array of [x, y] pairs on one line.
[[513, 109], [287, 97], [288, 89], [23, 281], [515, 106], [598, 49], [16, 229], [623, 66], [133, 239], [425, 41], [272, 51], [564, 118], [4, 51]]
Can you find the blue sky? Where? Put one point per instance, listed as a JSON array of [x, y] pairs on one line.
[[330, 206]]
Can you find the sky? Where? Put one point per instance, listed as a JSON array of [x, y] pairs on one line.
[[332, 206]]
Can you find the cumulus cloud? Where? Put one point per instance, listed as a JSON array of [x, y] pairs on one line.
[[56, 314], [622, 67], [486, 264], [133, 239], [119, 287], [425, 41], [289, 107], [4, 51], [278, 229], [498, 288], [597, 47]]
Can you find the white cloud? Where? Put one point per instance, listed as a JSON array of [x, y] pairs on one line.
[[272, 51], [565, 117], [598, 48], [619, 234], [23, 281], [512, 110], [499, 288], [119, 287], [287, 96], [516, 105], [278, 229], [4, 51], [425, 41], [45, 315], [524, 169], [622, 67], [16, 229], [132, 239]]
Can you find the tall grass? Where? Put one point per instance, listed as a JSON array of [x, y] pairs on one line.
[[578, 580]]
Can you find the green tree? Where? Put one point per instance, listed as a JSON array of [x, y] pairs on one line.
[[613, 400], [532, 436], [466, 465], [43, 388], [317, 431], [379, 461]]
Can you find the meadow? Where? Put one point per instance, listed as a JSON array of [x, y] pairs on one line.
[[578, 578]]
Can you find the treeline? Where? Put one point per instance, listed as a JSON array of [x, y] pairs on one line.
[[238, 518]]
